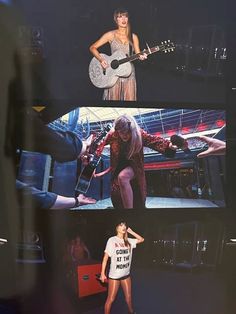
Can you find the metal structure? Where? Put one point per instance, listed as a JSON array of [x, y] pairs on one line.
[[163, 122]]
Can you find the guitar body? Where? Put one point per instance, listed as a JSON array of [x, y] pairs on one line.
[[86, 176], [107, 78]]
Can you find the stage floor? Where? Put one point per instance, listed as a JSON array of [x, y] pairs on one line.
[[167, 292], [158, 202]]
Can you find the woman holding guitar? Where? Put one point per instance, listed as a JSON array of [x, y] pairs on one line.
[[119, 249], [120, 39], [127, 139]]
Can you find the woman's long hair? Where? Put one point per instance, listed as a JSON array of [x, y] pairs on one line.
[[122, 11], [126, 123], [127, 244]]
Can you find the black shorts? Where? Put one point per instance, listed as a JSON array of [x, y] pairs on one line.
[[122, 164], [121, 278]]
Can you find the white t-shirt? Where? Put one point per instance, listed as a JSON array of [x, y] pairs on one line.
[[120, 255]]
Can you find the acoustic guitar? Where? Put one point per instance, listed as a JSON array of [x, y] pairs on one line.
[[86, 175], [119, 65]]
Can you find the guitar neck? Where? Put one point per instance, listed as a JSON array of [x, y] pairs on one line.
[[95, 144], [136, 56], [95, 161], [93, 148]]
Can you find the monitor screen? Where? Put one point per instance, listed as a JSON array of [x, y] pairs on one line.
[[176, 165]]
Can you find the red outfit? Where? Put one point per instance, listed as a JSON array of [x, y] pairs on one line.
[[136, 162]]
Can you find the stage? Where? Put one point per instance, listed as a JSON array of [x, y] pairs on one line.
[[159, 202], [167, 292]]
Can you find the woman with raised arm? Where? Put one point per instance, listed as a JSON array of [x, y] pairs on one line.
[[120, 39], [119, 249]]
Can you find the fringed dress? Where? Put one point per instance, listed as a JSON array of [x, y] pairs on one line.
[[125, 88]]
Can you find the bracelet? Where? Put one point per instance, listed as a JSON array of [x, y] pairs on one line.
[[77, 203]]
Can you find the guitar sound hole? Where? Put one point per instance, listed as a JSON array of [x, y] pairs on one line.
[[114, 64]]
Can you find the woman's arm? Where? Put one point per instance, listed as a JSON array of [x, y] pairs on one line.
[[215, 147], [137, 48], [103, 277], [159, 144], [100, 42], [105, 142], [101, 174], [64, 202], [139, 238]]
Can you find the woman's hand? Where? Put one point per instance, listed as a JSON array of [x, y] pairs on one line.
[[103, 278], [84, 154], [129, 230], [215, 147], [86, 159], [139, 238], [85, 200], [173, 147], [104, 64], [143, 56]]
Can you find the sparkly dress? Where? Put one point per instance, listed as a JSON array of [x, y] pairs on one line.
[[125, 87]]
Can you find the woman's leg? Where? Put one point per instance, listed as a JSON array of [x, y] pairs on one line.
[[130, 89], [126, 191], [124, 89], [113, 286], [114, 92], [126, 286]]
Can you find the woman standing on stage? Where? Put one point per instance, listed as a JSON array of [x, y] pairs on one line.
[[120, 39], [119, 249], [127, 139]]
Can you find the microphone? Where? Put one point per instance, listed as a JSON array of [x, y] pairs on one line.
[[98, 278], [180, 142]]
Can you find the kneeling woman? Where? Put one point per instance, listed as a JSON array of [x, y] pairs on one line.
[[119, 249], [127, 140]]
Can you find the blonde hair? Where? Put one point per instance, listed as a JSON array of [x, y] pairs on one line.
[[128, 30], [126, 123]]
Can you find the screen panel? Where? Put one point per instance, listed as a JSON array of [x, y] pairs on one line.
[[182, 181], [59, 43]]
